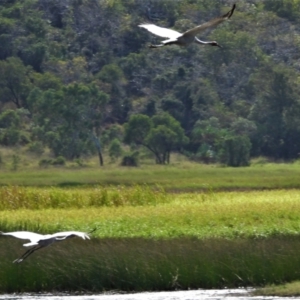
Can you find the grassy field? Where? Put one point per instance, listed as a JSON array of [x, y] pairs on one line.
[[175, 177], [158, 227], [203, 215], [163, 242]]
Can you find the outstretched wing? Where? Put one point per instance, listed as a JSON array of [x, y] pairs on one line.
[[68, 234], [214, 22], [161, 31], [24, 235]]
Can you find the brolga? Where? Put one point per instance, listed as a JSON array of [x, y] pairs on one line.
[[188, 37], [39, 241]]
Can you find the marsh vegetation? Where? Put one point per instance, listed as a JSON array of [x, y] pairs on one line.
[[150, 239]]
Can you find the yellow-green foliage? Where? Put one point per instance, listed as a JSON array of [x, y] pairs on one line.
[[15, 197], [192, 240], [202, 215], [291, 289]]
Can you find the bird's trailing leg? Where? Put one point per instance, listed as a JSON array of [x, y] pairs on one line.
[[27, 253], [93, 230], [156, 46], [164, 44]]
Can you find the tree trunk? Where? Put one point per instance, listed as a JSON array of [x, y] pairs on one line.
[[100, 157], [98, 146], [168, 157]]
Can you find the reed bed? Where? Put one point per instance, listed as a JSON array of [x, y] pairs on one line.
[[147, 265], [18, 197], [202, 215], [147, 239]]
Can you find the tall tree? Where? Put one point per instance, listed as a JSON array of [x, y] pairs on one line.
[[160, 134], [14, 82], [275, 112], [70, 118]]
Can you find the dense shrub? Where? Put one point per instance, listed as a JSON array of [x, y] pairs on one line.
[[36, 147], [59, 161], [235, 151], [130, 160]]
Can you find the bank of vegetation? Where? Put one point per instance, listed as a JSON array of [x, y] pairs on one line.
[[77, 79], [179, 176], [80, 88], [162, 242]]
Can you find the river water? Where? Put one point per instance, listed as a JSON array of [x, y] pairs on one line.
[[230, 294]]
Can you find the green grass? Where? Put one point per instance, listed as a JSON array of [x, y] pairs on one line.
[[19, 197], [147, 265], [237, 227], [175, 177], [291, 289], [203, 215]]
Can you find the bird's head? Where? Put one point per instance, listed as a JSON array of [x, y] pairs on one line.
[[214, 43]]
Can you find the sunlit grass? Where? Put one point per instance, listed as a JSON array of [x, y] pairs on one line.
[[291, 289], [201, 215], [152, 240], [18, 197]]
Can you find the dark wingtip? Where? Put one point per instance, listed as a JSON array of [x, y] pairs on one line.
[[232, 10], [93, 230], [230, 13]]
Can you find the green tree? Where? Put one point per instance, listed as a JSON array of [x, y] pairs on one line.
[[207, 134], [69, 119], [276, 112], [112, 75], [161, 134], [115, 149], [234, 151], [137, 129], [11, 127], [284, 8], [14, 82]]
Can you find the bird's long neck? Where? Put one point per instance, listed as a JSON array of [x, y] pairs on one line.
[[203, 42], [58, 239]]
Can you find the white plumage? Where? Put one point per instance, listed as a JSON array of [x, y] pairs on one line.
[[39, 241], [188, 37]]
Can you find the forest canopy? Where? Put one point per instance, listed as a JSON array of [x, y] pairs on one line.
[[77, 77]]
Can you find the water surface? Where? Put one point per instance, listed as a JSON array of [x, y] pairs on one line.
[[230, 294]]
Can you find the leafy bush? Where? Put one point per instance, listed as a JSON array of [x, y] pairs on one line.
[[10, 136], [235, 151], [36, 147], [45, 162], [115, 149], [15, 162], [261, 160], [59, 161], [130, 159]]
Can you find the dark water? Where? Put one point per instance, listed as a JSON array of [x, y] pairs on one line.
[[233, 294]]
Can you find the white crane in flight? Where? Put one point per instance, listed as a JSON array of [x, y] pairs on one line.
[[39, 241], [188, 37]]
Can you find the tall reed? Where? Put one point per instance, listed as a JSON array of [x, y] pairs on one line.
[[18, 197], [206, 215], [148, 265]]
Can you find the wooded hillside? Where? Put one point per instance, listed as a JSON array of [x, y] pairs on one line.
[[77, 76]]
